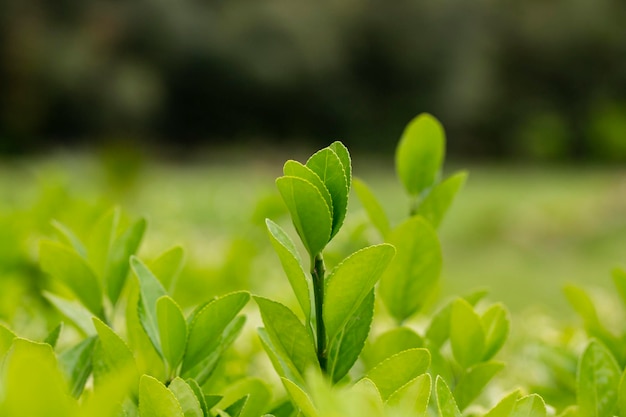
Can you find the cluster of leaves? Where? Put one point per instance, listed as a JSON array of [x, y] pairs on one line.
[[135, 352]]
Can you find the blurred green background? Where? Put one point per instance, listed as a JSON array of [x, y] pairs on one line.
[[185, 112], [519, 79]]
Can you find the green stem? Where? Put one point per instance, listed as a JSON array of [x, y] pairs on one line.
[[317, 272]]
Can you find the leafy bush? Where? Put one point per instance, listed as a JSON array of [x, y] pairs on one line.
[[360, 340]]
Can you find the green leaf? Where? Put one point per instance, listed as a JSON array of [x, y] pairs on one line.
[[33, 383], [53, 336], [435, 206], [6, 340], [310, 214], [344, 156], [408, 282], [621, 396], [186, 398], [204, 369], [420, 153], [117, 265], [101, 239], [350, 282], [467, 335], [389, 343], [529, 406], [327, 165], [445, 400], [296, 169], [69, 238], [292, 265], [283, 366], [151, 290], [598, 379], [504, 406], [76, 364], [199, 396], [374, 210], [155, 400], [473, 381], [209, 325], [172, 330], [112, 355], [74, 311], [72, 270], [396, 371], [345, 349], [167, 266], [413, 397], [257, 393], [289, 337], [581, 302], [300, 399], [496, 323]]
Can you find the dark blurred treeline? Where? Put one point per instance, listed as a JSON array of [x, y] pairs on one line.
[[522, 78]]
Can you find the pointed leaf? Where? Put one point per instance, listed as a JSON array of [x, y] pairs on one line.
[[288, 335], [53, 336], [113, 355], [283, 366], [350, 282], [300, 399], [6, 340], [69, 238], [529, 406], [292, 265], [310, 214], [374, 210], [396, 371], [327, 165], [101, 239], [209, 325], [436, 204], [199, 396], [504, 406], [74, 311], [420, 153], [151, 290], [408, 282], [345, 349], [445, 400], [472, 382], [186, 398], [72, 270], [155, 400], [172, 330], [257, 393], [122, 249], [413, 397], [597, 381], [76, 364], [167, 266]]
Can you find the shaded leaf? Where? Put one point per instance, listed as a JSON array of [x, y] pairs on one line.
[[436, 204], [300, 399], [53, 336], [389, 343], [408, 282], [467, 335], [496, 323], [172, 330], [167, 266], [76, 364], [151, 290], [529, 406], [372, 206], [350, 282], [473, 381], [74, 311], [413, 397]]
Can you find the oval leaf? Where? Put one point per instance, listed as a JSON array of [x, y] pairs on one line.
[[167, 266], [310, 214], [440, 198], [445, 400], [420, 153], [186, 398], [350, 282], [151, 290], [327, 165], [296, 169], [172, 330], [529, 406], [472, 383], [496, 323], [597, 381], [396, 371], [408, 282], [155, 400], [467, 335]]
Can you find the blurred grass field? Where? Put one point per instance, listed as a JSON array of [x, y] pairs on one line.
[[520, 231]]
